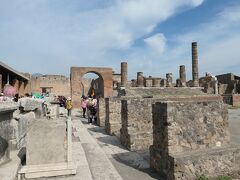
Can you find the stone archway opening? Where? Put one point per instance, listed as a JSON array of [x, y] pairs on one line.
[[92, 85], [105, 82]]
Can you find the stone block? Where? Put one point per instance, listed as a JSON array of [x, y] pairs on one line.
[[30, 104], [45, 142]]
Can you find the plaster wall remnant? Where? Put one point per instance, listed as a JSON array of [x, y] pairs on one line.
[[195, 65], [140, 79], [124, 74], [182, 76]]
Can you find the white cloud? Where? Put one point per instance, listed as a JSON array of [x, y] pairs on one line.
[[157, 42], [81, 33]]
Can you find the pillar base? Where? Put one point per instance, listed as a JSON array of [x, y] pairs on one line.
[[48, 170]]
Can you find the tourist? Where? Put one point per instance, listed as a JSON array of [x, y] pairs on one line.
[[92, 107], [69, 105], [84, 102]]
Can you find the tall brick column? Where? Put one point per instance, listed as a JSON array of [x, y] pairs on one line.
[[182, 76], [123, 74], [1, 83], [195, 64], [140, 79]]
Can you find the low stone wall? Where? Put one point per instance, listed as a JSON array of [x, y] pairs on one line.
[[190, 138], [137, 119], [113, 121]]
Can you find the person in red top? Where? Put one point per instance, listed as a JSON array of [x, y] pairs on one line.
[[84, 103]]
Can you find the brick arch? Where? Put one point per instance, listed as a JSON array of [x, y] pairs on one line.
[[77, 74]]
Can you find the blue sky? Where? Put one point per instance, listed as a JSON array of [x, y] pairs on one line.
[[153, 36]]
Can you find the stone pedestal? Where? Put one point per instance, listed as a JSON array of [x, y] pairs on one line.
[[191, 138], [49, 149]]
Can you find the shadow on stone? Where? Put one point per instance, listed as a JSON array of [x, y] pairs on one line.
[[135, 160]]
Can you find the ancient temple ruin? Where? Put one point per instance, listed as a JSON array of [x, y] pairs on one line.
[[182, 125]]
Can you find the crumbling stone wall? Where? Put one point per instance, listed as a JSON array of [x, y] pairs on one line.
[[189, 137], [113, 121], [136, 131]]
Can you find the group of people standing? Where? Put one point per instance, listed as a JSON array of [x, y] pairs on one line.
[[89, 106]]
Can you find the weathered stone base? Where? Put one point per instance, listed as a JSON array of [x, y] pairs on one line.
[[135, 142], [48, 170], [190, 165], [113, 128]]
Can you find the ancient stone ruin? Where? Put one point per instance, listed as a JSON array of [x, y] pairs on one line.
[[190, 138], [182, 126]]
